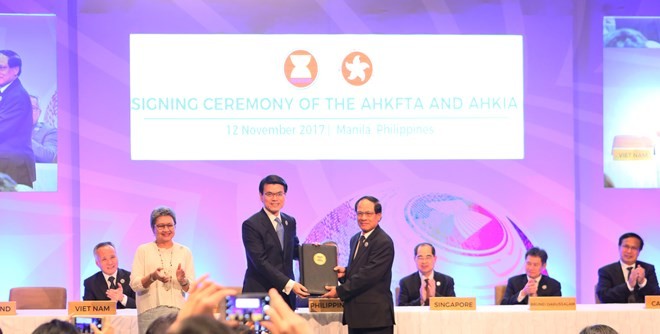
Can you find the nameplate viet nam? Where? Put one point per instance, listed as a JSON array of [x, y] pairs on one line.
[[652, 302], [453, 303], [552, 303], [97, 307], [7, 308], [326, 305]]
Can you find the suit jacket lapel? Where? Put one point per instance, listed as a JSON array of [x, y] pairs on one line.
[[101, 286], [364, 248], [270, 230], [354, 241], [287, 234], [438, 279]]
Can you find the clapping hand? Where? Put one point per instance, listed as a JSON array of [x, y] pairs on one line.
[[117, 294], [180, 274], [641, 274], [159, 274], [632, 279], [530, 288]]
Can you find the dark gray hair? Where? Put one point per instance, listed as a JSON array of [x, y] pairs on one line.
[[161, 211], [103, 244]]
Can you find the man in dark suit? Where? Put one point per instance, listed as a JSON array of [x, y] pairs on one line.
[[111, 283], [533, 282], [627, 280], [365, 288], [415, 289], [16, 155], [271, 245]]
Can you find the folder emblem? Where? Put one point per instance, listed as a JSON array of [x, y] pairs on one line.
[[319, 259]]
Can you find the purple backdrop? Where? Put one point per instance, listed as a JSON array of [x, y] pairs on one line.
[[553, 198]]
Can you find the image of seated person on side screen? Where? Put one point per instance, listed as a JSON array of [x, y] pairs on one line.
[[416, 288], [627, 280], [532, 283], [44, 137], [112, 282], [16, 156]]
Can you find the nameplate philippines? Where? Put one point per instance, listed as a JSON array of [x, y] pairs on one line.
[[7, 308], [326, 305], [89, 307], [652, 302], [552, 303], [453, 303]]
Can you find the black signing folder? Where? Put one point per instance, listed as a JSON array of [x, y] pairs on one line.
[[317, 265]]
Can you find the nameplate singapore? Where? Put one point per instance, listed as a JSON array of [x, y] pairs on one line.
[[453, 303], [552, 303], [326, 305], [7, 308], [652, 302], [92, 308]]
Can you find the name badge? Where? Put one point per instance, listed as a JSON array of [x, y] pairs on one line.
[[326, 305], [551, 303], [453, 303], [96, 307], [7, 308], [652, 302]]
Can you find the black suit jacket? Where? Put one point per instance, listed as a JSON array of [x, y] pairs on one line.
[[268, 265], [96, 286], [612, 287], [547, 287], [410, 285], [16, 155], [365, 289]]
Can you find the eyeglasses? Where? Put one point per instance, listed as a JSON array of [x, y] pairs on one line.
[[278, 195], [165, 226], [366, 214], [422, 258]]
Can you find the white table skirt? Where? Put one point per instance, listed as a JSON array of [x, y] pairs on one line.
[[26, 321], [625, 318]]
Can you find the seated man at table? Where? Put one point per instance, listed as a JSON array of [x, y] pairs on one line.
[[111, 283], [627, 280], [416, 288], [532, 283]]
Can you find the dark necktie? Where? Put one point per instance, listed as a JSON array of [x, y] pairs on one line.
[[111, 279], [280, 231], [427, 289], [631, 297], [359, 246]]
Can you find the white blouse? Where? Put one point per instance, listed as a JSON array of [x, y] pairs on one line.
[[148, 258]]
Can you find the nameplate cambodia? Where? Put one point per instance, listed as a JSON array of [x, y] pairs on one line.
[[551, 303], [7, 308], [652, 302], [97, 307], [326, 305], [453, 303]]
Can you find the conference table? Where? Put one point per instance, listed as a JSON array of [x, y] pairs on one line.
[[26, 321], [625, 318], [513, 319]]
